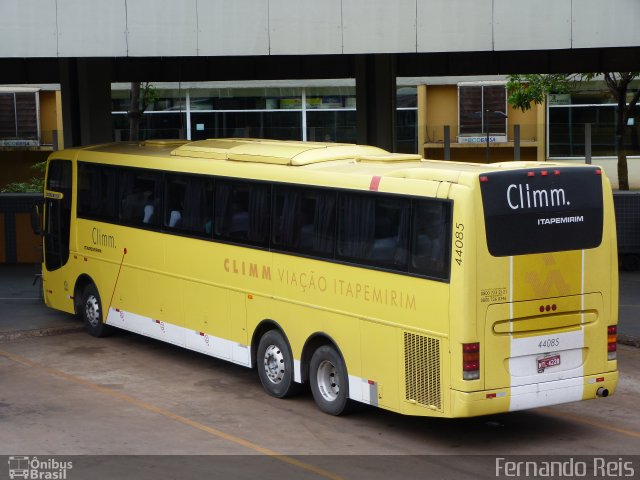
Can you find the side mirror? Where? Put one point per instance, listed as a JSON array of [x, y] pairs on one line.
[[36, 219]]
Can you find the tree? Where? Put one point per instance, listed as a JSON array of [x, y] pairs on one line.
[[34, 184], [525, 89], [142, 95]]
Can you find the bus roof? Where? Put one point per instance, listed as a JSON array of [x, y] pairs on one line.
[[337, 158]]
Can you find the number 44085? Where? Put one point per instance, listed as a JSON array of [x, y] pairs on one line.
[[459, 242]]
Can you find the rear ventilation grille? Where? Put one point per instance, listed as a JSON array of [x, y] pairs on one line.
[[422, 370]]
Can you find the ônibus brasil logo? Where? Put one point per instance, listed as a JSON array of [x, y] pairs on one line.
[[35, 469]]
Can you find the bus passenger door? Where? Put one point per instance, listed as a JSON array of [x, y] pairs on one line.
[[57, 213], [57, 224]]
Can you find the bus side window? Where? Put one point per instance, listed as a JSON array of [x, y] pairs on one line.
[[86, 177], [242, 212], [391, 232], [319, 222], [431, 238], [304, 220], [374, 229], [189, 204], [140, 195], [97, 191]]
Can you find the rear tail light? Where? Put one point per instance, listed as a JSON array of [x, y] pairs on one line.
[[470, 361], [612, 338]]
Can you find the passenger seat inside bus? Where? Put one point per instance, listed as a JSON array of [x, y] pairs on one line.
[[150, 211], [175, 219]]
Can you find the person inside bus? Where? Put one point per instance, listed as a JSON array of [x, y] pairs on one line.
[[133, 205]]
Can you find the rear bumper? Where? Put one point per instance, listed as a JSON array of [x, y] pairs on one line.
[[536, 395]]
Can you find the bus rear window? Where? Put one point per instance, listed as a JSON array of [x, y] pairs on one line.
[[542, 210]]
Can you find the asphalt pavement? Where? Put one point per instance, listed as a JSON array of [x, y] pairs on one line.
[[629, 309], [22, 309], [23, 313]]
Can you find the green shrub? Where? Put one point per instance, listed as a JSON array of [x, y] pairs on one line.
[[35, 184]]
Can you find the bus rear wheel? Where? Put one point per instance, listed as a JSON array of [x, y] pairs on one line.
[[91, 309], [329, 381], [275, 365]]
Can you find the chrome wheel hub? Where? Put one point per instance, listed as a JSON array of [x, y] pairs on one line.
[[328, 381], [274, 364], [92, 311]]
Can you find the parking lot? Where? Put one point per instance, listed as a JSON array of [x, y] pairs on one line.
[[72, 394]]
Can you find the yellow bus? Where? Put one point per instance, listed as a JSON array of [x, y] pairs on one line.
[[422, 287]]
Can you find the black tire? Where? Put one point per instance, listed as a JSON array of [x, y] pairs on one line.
[[329, 381], [91, 310], [275, 365]]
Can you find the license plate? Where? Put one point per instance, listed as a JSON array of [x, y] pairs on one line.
[[547, 362]]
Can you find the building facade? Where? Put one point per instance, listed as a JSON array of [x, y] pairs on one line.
[[323, 111], [470, 109]]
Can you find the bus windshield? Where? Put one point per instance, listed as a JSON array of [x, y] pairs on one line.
[[542, 210]]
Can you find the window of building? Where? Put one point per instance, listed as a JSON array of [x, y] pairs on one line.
[[247, 98], [19, 118], [329, 98], [330, 114], [482, 108], [314, 113], [566, 119], [407, 119], [166, 117], [278, 125], [331, 126]]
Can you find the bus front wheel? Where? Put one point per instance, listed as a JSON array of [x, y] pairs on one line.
[[91, 310], [275, 365], [329, 381]]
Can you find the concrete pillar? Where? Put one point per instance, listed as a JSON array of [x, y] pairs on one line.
[[422, 118], [70, 101], [86, 101], [376, 100], [59, 122]]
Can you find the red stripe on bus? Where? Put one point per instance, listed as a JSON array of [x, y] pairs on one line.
[[375, 183]]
